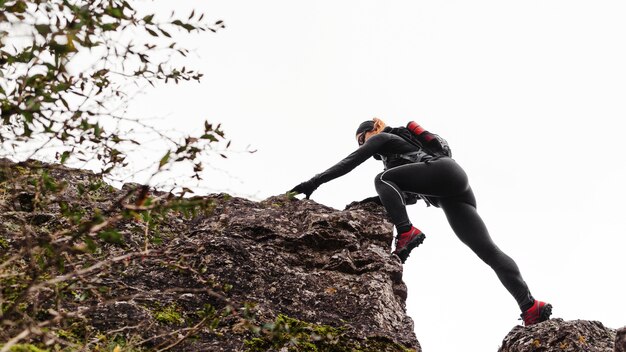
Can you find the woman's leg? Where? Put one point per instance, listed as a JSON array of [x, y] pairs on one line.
[[471, 230], [442, 177], [447, 181]]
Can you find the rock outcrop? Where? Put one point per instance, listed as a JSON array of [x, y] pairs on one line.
[[277, 275], [310, 262], [566, 336], [280, 274]]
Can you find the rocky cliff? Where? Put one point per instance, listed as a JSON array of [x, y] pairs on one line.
[[85, 266], [276, 275]]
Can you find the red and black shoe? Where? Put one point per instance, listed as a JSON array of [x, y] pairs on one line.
[[540, 311], [406, 241]]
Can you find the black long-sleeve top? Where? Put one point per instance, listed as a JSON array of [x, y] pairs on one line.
[[386, 145]]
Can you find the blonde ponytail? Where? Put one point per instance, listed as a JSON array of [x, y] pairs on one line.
[[379, 125]]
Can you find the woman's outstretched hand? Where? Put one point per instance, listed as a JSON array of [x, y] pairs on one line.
[[305, 188]]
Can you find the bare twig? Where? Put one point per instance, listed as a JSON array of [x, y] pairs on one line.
[[88, 270], [190, 331], [15, 340]]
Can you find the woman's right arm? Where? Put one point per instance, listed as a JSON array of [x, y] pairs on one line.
[[367, 150]]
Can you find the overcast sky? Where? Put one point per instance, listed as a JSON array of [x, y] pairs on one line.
[[530, 95]]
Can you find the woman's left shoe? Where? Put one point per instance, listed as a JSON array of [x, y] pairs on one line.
[[540, 311], [406, 241]]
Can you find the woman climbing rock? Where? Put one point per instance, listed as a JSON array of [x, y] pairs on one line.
[[422, 168]]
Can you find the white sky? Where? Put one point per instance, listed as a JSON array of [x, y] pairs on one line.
[[530, 95]]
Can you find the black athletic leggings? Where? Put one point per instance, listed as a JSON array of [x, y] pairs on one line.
[[445, 181]]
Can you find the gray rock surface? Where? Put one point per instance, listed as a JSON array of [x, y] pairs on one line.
[[560, 335], [310, 262], [278, 257]]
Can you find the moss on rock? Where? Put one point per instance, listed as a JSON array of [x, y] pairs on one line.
[[169, 315], [298, 335], [25, 348], [4, 244]]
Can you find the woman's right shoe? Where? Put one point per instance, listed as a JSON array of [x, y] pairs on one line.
[[540, 311], [406, 241]]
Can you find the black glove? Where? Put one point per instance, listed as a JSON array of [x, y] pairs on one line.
[[305, 188]]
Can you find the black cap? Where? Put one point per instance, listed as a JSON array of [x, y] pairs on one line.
[[365, 126]]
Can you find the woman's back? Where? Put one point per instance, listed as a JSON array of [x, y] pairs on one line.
[[395, 150]]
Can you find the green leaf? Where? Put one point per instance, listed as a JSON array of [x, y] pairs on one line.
[[164, 159], [19, 7], [110, 26], [27, 131], [97, 130], [28, 117], [209, 137], [65, 156], [187, 26], [165, 33], [64, 102], [152, 33], [61, 86], [148, 19], [114, 12], [126, 4], [43, 29]]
